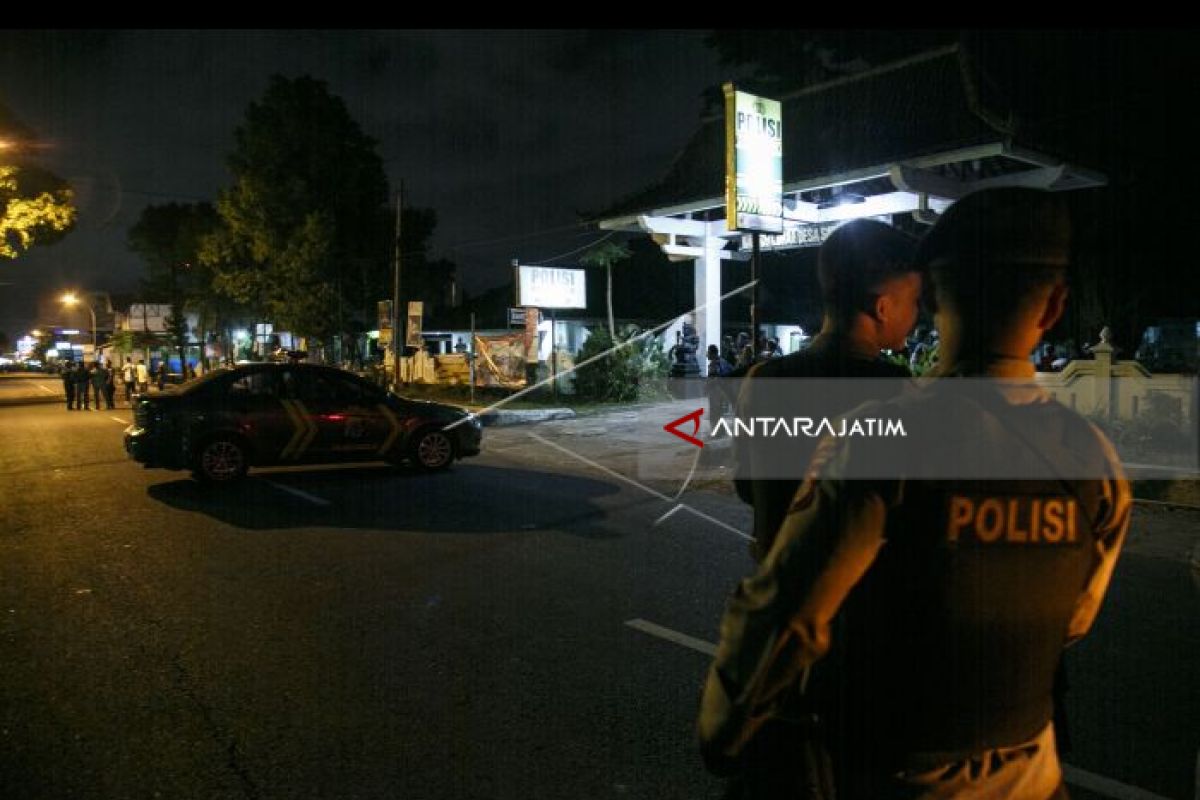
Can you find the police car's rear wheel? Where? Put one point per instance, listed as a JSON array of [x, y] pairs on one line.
[[432, 450], [220, 461]]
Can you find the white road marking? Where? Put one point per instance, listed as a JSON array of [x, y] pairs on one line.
[[44, 389], [641, 486], [1105, 786], [122, 421], [681, 639], [312, 498], [1073, 775]]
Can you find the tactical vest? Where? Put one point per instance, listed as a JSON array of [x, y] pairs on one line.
[[771, 498], [952, 637]]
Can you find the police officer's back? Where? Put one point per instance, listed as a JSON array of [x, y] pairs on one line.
[[957, 590], [870, 291]]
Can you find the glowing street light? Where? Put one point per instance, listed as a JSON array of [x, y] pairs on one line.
[[70, 299]]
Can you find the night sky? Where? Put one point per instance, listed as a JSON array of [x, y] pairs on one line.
[[508, 135], [511, 136]]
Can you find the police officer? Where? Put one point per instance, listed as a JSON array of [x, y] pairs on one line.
[[82, 382], [953, 596], [68, 379], [870, 291], [99, 379]]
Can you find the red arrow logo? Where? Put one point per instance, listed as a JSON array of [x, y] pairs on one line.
[[672, 427]]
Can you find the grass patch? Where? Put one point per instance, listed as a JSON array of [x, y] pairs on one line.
[[1178, 490]]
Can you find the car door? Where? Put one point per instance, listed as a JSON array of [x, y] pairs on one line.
[[252, 404], [349, 425]]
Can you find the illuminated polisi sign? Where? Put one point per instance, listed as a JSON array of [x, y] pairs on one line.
[[753, 162], [551, 287]]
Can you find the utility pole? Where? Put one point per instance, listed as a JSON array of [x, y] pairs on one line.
[[471, 357], [178, 319], [396, 317]]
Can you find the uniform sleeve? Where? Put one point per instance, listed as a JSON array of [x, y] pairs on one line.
[[777, 622], [1111, 528]]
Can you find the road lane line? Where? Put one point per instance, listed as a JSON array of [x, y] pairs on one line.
[[122, 421], [641, 486], [312, 498], [1106, 786], [681, 639], [1073, 775], [44, 389]]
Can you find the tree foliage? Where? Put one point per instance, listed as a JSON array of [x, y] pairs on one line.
[[605, 254], [168, 238], [35, 208], [304, 234], [637, 370]]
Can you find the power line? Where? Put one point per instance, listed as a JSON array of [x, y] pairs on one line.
[[573, 252]]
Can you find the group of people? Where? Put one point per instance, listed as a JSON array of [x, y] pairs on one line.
[[902, 637], [96, 382], [740, 355]]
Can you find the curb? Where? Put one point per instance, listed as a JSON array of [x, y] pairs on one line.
[[32, 400], [502, 417]]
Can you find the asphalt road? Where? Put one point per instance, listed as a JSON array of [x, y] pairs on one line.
[[363, 632]]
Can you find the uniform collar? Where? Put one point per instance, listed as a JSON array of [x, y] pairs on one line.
[[838, 342], [994, 366]]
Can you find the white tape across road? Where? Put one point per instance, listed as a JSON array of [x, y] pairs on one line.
[[681, 639], [312, 498]]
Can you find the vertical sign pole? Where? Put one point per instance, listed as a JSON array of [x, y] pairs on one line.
[[553, 353], [754, 296]]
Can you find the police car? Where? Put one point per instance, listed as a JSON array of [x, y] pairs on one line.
[[277, 414]]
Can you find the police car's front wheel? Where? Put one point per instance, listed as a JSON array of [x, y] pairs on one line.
[[432, 449], [220, 460]]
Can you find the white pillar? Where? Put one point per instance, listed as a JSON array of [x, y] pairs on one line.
[[707, 297], [1102, 393]]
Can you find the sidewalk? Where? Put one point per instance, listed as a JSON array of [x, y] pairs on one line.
[[25, 388], [22, 389]]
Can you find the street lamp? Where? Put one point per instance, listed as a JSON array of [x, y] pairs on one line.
[[70, 299]]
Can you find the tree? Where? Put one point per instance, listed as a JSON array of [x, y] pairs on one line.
[[35, 208], [635, 368], [304, 235], [605, 254], [168, 238], [43, 342], [5, 344]]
